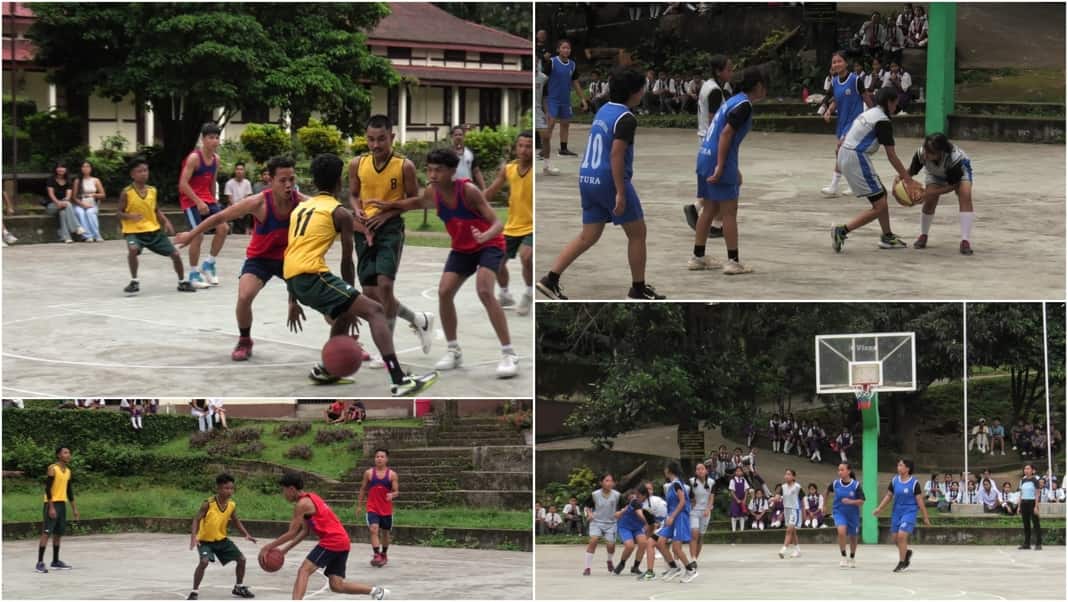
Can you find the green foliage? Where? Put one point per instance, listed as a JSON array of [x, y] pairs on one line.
[[491, 145], [78, 428], [291, 430], [359, 145], [317, 138], [580, 482], [416, 151], [230, 154], [52, 135], [25, 454], [265, 140], [109, 164], [333, 435], [302, 452]]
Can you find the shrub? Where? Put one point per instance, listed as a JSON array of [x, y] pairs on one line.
[[318, 138], [265, 140], [79, 428], [53, 134], [334, 435], [109, 459], [491, 145], [356, 445], [244, 435], [251, 449], [25, 454], [200, 439], [292, 430], [302, 452], [231, 153], [359, 145]]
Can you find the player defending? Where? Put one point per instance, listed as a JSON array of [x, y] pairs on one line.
[[605, 187], [714, 91], [389, 178], [209, 537], [519, 229], [331, 553], [58, 491], [848, 498], [676, 526], [477, 248], [196, 195], [141, 217], [312, 228], [563, 76], [907, 494], [948, 170], [602, 522], [380, 486], [266, 251], [631, 524]]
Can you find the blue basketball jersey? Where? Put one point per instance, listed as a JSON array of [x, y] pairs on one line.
[[629, 519], [674, 498], [842, 492], [708, 156], [904, 495], [596, 168], [847, 102], [560, 80]]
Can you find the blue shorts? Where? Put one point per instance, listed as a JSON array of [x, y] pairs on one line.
[[626, 534], [332, 563], [716, 192], [466, 264], [262, 268], [851, 520], [678, 531], [559, 109], [598, 201], [194, 218], [905, 521], [384, 522]]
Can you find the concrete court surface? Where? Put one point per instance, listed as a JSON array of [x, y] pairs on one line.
[[784, 223], [155, 566], [69, 330], [751, 571]]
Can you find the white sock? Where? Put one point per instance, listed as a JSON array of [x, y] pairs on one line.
[[134, 280], [530, 291], [589, 560], [925, 222], [504, 290], [507, 350], [454, 345], [967, 218], [834, 179], [193, 269], [211, 259], [717, 223]]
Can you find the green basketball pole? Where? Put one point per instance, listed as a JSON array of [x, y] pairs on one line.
[[869, 525], [941, 66]]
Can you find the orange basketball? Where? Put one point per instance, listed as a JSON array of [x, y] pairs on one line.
[[272, 561], [905, 196], [342, 355]]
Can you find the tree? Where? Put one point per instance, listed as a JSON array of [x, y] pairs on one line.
[[186, 60], [513, 17]]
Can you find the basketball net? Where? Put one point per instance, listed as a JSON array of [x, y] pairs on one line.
[[864, 393]]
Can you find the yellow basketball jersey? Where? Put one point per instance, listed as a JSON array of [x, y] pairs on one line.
[[386, 184], [520, 200], [61, 476], [215, 523], [311, 233], [145, 205]]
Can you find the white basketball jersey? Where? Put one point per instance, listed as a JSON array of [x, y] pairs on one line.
[[708, 87], [861, 135], [948, 162]]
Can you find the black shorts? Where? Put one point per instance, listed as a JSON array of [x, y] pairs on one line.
[[384, 521], [514, 242], [466, 264], [332, 563], [262, 268], [323, 292], [57, 525]]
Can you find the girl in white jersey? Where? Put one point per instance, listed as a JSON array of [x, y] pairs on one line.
[[791, 502], [948, 170], [703, 496]]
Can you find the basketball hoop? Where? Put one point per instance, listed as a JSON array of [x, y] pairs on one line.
[[864, 393]]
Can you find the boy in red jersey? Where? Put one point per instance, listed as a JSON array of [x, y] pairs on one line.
[[270, 211], [310, 513], [196, 194], [380, 485]]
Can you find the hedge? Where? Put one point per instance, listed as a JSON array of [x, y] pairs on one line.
[[78, 428]]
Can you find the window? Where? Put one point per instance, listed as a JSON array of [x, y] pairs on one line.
[[492, 58], [397, 52], [455, 56], [393, 104], [489, 107]]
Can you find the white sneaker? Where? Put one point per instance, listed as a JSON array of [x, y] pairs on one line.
[[379, 593], [425, 332], [549, 170], [9, 238], [852, 563], [670, 574], [524, 305], [453, 359], [829, 191], [506, 368], [377, 363], [782, 552], [796, 553], [689, 576], [505, 299], [702, 263], [843, 563], [734, 267]]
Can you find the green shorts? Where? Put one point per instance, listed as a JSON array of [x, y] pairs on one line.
[[156, 241], [383, 257], [514, 242], [57, 525], [224, 550], [323, 292]]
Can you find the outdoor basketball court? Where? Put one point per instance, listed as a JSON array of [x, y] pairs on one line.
[[751, 571], [70, 331], [154, 566], [785, 225]]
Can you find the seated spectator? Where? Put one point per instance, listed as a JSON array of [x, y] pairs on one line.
[[917, 32], [218, 411], [812, 510], [691, 91], [986, 475], [930, 485], [1058, 493], [947, 483], [989, 497], [1010, 500], [125, 406], [58, 201], [14, 403], [152, 407], [900, 80], [905, 17], [720, 464], [872, 35], [858, 71], [90, 404], [650, 100], [356, 412], [1025, 441], [997, 436], [87, 192], [1015, 433], [736, 459], [844, 442], [552, 521], [776, 509], [954, 495], [750, 459], [201, 410], [1056, 440], [335, 413], [971, 495], [1038, 443], [877, 78], [137, 414], [981, 432], [1047, 492], [664, 91], [597, 91], [539, 518], [758, 510], [896, 38], [573, 517], [815, 437]]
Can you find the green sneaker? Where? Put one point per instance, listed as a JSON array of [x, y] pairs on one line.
[[647, 576], [891, 241]]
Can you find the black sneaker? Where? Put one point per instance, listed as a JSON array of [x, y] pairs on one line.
[[60, 565], [691, 214], [241, 591], [908, 557], [551, 291], [838, 238], [635, 570], [193, 596], [714, 232], [564, 152], [1024, 547], [647, 293], [186, 287], [133, 288], [901, 567], [1038, 546]]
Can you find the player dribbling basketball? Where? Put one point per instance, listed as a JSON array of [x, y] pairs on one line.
[[948, 170]]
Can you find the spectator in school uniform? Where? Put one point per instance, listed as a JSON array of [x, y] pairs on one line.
[[1010, 500], [812, 512], [917, 36], [872, 35], [573, 517], [553, 521], [989, 497], [758, 510]]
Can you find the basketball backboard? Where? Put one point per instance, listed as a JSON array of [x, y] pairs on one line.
[[885, 360]]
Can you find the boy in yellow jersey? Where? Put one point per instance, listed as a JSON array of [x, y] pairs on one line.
[[384, 176], [519, 229], [209, 536], [313, 226], [141, 219], [58, 492]]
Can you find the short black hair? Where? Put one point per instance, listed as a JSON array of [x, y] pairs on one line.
[[383, 450], [525, 134], [223, 479], [239, 164], [457, 127], [938, 141], [908, 464], [60, 448], [136, 162], [274, 163], [326, 171], [443, 156], [380, 121], [884, 96], [292, 479], [623, 82], [605, 476], [717, 63], [673, 467], [751, 76], [210, 128], [561, 42]]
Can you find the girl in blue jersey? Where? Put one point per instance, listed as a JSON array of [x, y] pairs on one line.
[[630, 527], [676, 528], [605, 187], [719, 179], [848, 498], [850, 100], [907, 494], [563, 76]]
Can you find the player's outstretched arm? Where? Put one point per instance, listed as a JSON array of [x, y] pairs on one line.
[[246, 206], [497, 184], [241, 527]]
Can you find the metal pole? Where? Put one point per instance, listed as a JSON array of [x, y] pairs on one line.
[[14, 107], [941, 58], [1045, 354], [965, 380], [869, 525]]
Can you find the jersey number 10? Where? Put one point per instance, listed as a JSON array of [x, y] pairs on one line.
[[594, 152]]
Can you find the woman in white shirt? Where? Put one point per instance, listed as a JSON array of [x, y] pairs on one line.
[[88, 191]]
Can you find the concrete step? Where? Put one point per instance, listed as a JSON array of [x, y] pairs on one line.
[[495, 480], [512, 500], [400, 502]]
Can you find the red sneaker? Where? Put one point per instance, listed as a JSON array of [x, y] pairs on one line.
[[385, 559], [586, 572], [243, 350], [611, 567], [965, 248], [921, 242], [377, 560]]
